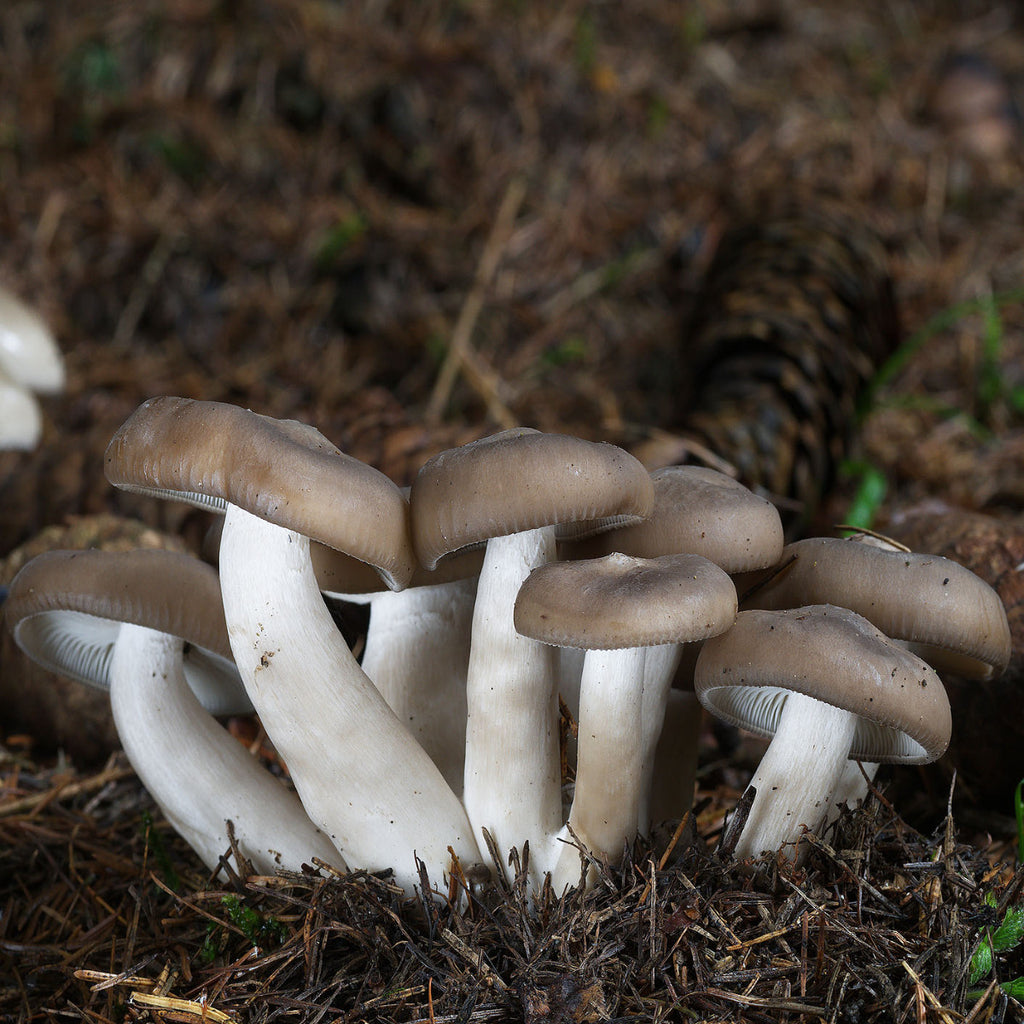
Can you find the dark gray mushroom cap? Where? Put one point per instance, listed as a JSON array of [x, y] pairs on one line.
[[65, 608], [954, 619], [286, 472], [833, 655], [620, 601], [520, 480], [702, 512]]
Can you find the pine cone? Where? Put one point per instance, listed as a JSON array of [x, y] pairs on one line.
[[795, 315]]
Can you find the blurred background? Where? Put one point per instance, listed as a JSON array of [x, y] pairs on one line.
[[296, 205]]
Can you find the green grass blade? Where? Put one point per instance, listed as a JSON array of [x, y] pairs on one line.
[[941, 321]]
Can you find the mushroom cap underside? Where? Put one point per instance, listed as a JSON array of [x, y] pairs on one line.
[[833, 655]]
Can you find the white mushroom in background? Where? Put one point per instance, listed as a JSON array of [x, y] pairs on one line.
[[696, 511], [417, 645], [30, 363]]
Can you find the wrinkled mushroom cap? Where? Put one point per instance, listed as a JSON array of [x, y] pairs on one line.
[[833, 655], [519, 480], [925, 600], [620, 601], [64, 609], [286, 472], [702, 512]]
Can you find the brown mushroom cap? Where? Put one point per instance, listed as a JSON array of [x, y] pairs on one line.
[[620, 601], [835, 656], [283, 471], [165, 591], [702, 512], [520, 480], [925, 600], [342, 575]]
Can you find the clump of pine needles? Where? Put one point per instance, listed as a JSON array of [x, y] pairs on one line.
[[880, 923]]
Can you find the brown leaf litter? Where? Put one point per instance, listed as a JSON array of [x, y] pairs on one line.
[[106, 915]]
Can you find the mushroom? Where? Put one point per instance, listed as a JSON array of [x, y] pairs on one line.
[[703, 512], [29, 355], [21, 419], [361, 777], [417, 645], [618, 608], [936, 607], [944, 612], [826, 685], [148, 625], [510, 490], [29, 361], [700, 511]]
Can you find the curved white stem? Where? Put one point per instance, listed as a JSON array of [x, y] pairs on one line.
[[199, 774], [417, 654], [798, 774], [512, 775], [660, 667], [360, 775], [609, 773]]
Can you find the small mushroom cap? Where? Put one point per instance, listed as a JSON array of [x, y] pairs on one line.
[[620, 601], [283, 471], [925, 600], [702, 512], [64, 609], [519, 480], [29, 355], [833, 655]]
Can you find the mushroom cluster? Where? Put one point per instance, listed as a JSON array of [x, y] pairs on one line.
[[518, 571]]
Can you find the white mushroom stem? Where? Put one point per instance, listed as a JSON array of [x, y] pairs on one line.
[[512, 776], [660, 666], [198, 774], [28, 352], [675, 760], [570, 672], [417, 654], [853, 786], [360, 775], [798, 774], [21, 419], [609, 772]]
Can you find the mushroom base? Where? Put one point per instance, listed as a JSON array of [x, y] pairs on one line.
[[798, 775], [198, 774]]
